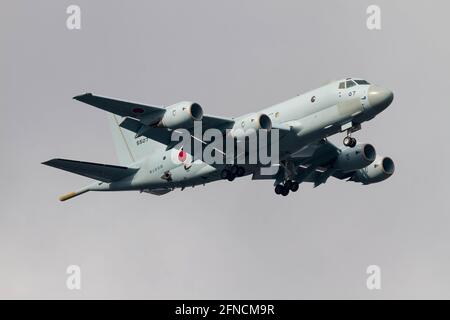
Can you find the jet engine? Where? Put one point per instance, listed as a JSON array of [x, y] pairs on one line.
[[381, 169], [181, 115], [250, 124], [355, 158]]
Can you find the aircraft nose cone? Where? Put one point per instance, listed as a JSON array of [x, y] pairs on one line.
[[380, 98]]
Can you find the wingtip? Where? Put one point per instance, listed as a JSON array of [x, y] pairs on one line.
[[49, 162], [81, 96]]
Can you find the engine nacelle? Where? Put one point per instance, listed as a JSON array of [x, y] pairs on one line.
[[181, 115], [355, 158], [381, 169], [250, 124]]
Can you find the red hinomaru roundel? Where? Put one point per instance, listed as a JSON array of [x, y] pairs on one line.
[[182, 155]]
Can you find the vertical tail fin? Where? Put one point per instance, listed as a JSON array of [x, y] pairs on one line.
[[121, 141], [130, 149]]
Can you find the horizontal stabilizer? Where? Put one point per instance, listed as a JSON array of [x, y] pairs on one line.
[[162, 135], [97, 171]]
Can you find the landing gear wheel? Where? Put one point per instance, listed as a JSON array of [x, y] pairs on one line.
[[240, 171], [288, 184], [284, 191], [225, 174], [231, 177], [347, 141], [234, 170], [278, 189], [294, 186]]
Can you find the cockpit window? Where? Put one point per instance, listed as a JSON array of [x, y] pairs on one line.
[[350, 84], [342, 85], [361, 82]]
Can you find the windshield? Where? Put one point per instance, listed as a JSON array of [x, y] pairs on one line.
[[361, 82], [350, 83]]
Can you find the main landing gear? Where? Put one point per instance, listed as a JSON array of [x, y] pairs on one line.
[[287, 186], [233, 172]]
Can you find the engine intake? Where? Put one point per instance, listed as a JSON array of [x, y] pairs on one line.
[[181, 115], [381, 169], [355, 158]]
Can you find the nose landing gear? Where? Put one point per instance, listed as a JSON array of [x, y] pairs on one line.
[[349, 142]]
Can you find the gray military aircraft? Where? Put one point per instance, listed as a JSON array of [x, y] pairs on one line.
[[143, 139]]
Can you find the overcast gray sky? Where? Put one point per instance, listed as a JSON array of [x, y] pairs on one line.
[[225, 240]]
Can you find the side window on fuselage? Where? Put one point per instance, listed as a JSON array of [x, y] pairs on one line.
[[342, 85]]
